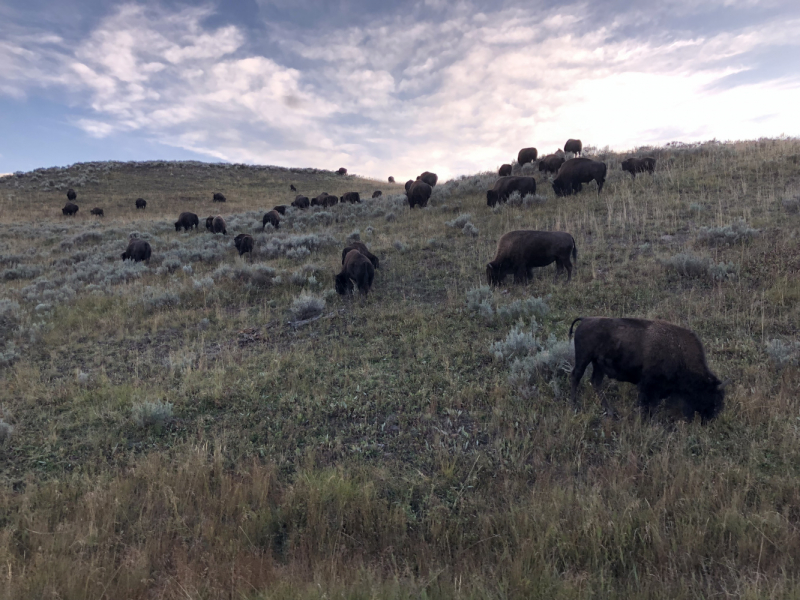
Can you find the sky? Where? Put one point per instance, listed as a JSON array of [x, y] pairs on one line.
[[387, 88]]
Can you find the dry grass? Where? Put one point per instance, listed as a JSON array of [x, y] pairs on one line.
[[382, 450]]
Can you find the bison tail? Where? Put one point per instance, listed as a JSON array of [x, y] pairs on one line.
[[574, 250], [573, 325]]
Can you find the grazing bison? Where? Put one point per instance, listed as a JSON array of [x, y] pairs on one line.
[[69, 209], [351, 197], [409, 183], [391, 179], [429, 178], [573, 146], [577, 171], [98, 212], [356, 267], [342, 171], [187, 220], [331, 200], [71, 195], [504, 171], [137, 250], [505, 186], [273, 218], [292, 188], [244, 243], [281, 208], [377, 194], [551, 163], [319, 200], [141, 203], [527, 155], [418, 194], [218, 197], [520, 251], [639, 165], [664, 360], [301, 202], [363, 249], [216, 225]]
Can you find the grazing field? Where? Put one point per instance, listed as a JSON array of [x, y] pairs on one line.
[[210, 426]]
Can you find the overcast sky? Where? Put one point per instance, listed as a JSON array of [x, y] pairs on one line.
[[387, 88]]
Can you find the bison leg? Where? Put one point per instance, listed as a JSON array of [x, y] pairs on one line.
[[559, 270], [581, 363], [521, 275], [597, 383], [600, 183]]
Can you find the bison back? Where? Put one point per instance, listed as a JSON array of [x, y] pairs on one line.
[[527, 155]]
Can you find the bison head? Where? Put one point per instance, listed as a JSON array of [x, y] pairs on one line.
[[708, 399], [491, 198], [177, 226], [492, 276], [560, 189], [343, 284]]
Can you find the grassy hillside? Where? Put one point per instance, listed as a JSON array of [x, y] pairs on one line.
[[208, 426]]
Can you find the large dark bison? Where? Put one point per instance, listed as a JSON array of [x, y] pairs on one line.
[[639, 165], [244, 243], [69, 209], [301, 202], [342, 171], [363, 249], [418, 194], [429, 178], [331, 200], [527, 155], [573, 146], [391, 179], [273, 218], [141, 203], [187, 220], [292, 188], [319, 200], [71, 195], [216, 225], [504, 170], [98, 212], [351, 197], [664, 360], [577, 171], [551, 163], [356, 267], [377, 194], [520, 251], [505, 186], [137, 251], [281, 208], [218, 197]]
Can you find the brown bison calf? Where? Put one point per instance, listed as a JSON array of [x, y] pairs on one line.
[[292, 188], [70, 209], [527, 155], [520, 251], [97, 212], [577, 171], [218, 197], [639, 165], [187, 220], [273, 218], [244, 243], [141, 203], [216, 225], [363, 249], [551, 163], [377, 194], [504, 170], [137, 251], [664, 360], [574, 146], [356, 267]]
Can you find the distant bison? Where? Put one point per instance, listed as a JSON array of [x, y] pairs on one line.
[[363, 249], [342, 171], [664, 360], [351, 197], [187, 220], [218, 197], [71, 195], [141, 203], [418, 194], [292, 188], [409, 183], [551, 163], [331, 200], [69, 209], [391, 179], [527, 155], [273, 218], [520, 251], [216, 225], [639, 165], [244, 243], [97, 212], [573, 146], [137, 250], [281, 208], [318, 200], [356, 267], [577, 171], [504, 171], [429, 178], [301, 202], [377, 194], [505, 186]]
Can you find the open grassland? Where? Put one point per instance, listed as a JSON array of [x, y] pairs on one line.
[[190, 429]]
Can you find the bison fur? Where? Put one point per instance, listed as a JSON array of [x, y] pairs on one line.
[[505, 186], [639, 165], [244, 243], [137, 250], [98, 212], [187, 220], [520, 251], [527, 155], [141, 203], [361, 247], [418, 194], [504, 170], [573, 146], [356, 268], [577, 171], [273, 218], [69, 209]]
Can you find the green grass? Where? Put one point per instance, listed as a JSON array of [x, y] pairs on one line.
[[382, 451]]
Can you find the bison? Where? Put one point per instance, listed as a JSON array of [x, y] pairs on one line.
[[137, 251], [187, 220], [318, 200], [377, 194], [639, 165], [71, 195], [97, 212], [391, 179], [292, 188], [301, 202], [351, 197], [342, 171], [281, 208], [363, 249], [505, 186], [551, 163], [273, 218], [331, 200], [409, 183], [662, 359], [356, 267], [527, 155], [577, 171], [218, 197], [244, 243], [520, 251], [504, 170], [141, 203], [69, 209], [429, 178], [216, 225], [573, 146], [418, 194]]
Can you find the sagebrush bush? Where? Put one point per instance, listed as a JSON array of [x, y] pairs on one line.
[[783, 353], [459, 221], [306, 307], [727, 235], [149, 414], [697, 267], [6, 429], [481, 301]]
